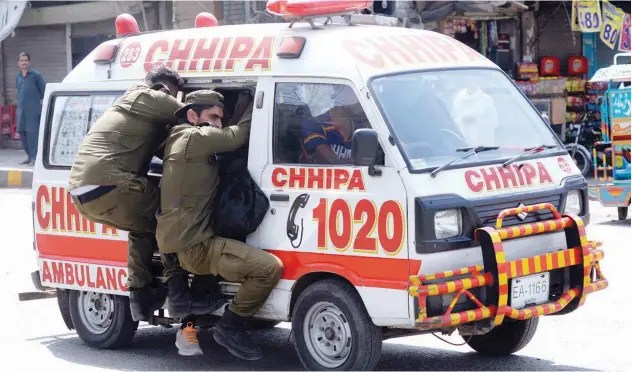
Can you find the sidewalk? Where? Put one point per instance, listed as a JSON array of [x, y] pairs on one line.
[[12, 173]]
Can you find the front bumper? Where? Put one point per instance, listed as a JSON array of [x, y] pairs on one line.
[[580, 263]]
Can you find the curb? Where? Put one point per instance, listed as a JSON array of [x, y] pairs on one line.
[[22, 178]]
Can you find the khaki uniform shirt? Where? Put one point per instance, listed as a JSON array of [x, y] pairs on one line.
[[190, 179], [123, 140]]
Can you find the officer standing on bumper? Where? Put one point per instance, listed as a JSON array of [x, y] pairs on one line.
[[108, 180], [189, 184]]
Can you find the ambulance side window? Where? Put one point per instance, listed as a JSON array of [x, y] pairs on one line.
[[69, 122], [314, 122]]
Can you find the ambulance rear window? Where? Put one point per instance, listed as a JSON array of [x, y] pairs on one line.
[[71, 118]]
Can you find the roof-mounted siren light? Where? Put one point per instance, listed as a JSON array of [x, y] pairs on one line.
[[277, 7], [126, 25], [307, 9], [320, 8], [205, 19]]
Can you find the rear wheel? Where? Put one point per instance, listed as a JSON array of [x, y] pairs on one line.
[[622, 212], [102, 320], [505, 339], [332, 329]]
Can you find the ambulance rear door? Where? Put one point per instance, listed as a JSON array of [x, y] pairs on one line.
[[73, 252]]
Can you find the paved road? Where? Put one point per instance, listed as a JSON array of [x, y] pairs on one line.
[[597, 337]]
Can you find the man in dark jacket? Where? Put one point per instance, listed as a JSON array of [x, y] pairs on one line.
[[31, 87], [188, 188]]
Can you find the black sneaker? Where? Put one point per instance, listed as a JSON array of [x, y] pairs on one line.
[[231, 333]]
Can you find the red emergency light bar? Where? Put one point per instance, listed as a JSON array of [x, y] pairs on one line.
[[315, 8], [126, 25], [205, 19]]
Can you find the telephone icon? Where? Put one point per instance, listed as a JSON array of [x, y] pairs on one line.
[[293, 230]]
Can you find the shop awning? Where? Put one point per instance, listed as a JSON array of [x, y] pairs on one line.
[[438, 10], [10, 14], [616, 73]]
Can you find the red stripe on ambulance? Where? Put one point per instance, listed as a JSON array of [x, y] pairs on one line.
[[391, 273]]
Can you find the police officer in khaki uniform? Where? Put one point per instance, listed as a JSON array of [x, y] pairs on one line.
[[108, 180], [188, 187]]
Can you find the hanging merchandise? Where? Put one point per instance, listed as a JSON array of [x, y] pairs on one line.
[[493, 33], [612, 23], [589, 15], [577, 66], [483, 36], [574, 21], [550, 66], [624, 40]]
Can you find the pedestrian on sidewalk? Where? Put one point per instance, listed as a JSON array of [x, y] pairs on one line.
[[31, 87]]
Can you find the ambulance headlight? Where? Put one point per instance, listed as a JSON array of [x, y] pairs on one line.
[[573, 203], [447, 223]]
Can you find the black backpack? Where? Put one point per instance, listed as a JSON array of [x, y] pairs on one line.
[[240, 205]]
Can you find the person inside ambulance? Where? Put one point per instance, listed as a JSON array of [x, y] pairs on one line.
[[108, 180], [327, 138], [188, 187], [474, 112]]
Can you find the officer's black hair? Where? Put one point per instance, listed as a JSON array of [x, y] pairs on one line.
[[164, 74], [24, 54]]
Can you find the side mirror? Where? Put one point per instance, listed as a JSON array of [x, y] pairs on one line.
[[364, 150]]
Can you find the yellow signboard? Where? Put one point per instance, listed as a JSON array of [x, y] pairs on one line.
[[612, 22], [589, 14]]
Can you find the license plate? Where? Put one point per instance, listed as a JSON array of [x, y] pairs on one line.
[[530, 290]]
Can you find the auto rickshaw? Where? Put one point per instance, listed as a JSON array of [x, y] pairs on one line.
[[612, 177]]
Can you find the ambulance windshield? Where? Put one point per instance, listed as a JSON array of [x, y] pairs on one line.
[[432, 114]]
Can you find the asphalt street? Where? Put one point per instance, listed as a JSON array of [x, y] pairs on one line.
[[596, 337]]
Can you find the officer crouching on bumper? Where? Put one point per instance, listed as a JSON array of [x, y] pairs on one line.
[[188, 187], [108, 180]]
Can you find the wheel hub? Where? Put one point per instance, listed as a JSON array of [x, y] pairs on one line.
[[96, 310], [327, 334]]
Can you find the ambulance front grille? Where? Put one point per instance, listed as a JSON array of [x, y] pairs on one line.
[[489, 212]]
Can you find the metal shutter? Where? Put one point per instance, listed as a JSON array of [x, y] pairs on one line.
[[47, 47], [556, 37], [234, 12]]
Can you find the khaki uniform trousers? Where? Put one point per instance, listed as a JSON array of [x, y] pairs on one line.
[[258, 270], [131, 207]]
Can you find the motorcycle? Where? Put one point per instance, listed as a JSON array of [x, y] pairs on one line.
[[585, 135]]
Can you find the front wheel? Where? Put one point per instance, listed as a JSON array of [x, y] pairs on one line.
[[332, 329], [102, 320], [581, 156], [505, 339]]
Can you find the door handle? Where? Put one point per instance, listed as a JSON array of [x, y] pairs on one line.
[[280, 197]]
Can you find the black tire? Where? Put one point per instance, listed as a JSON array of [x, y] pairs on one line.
[[63, 301], [622, 213], [117, 334], [582, 158], [366, 338], [505, 339]]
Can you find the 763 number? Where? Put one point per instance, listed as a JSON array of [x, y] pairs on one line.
[[337, 224]]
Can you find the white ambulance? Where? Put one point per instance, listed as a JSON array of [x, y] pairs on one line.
[[450, 204]]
